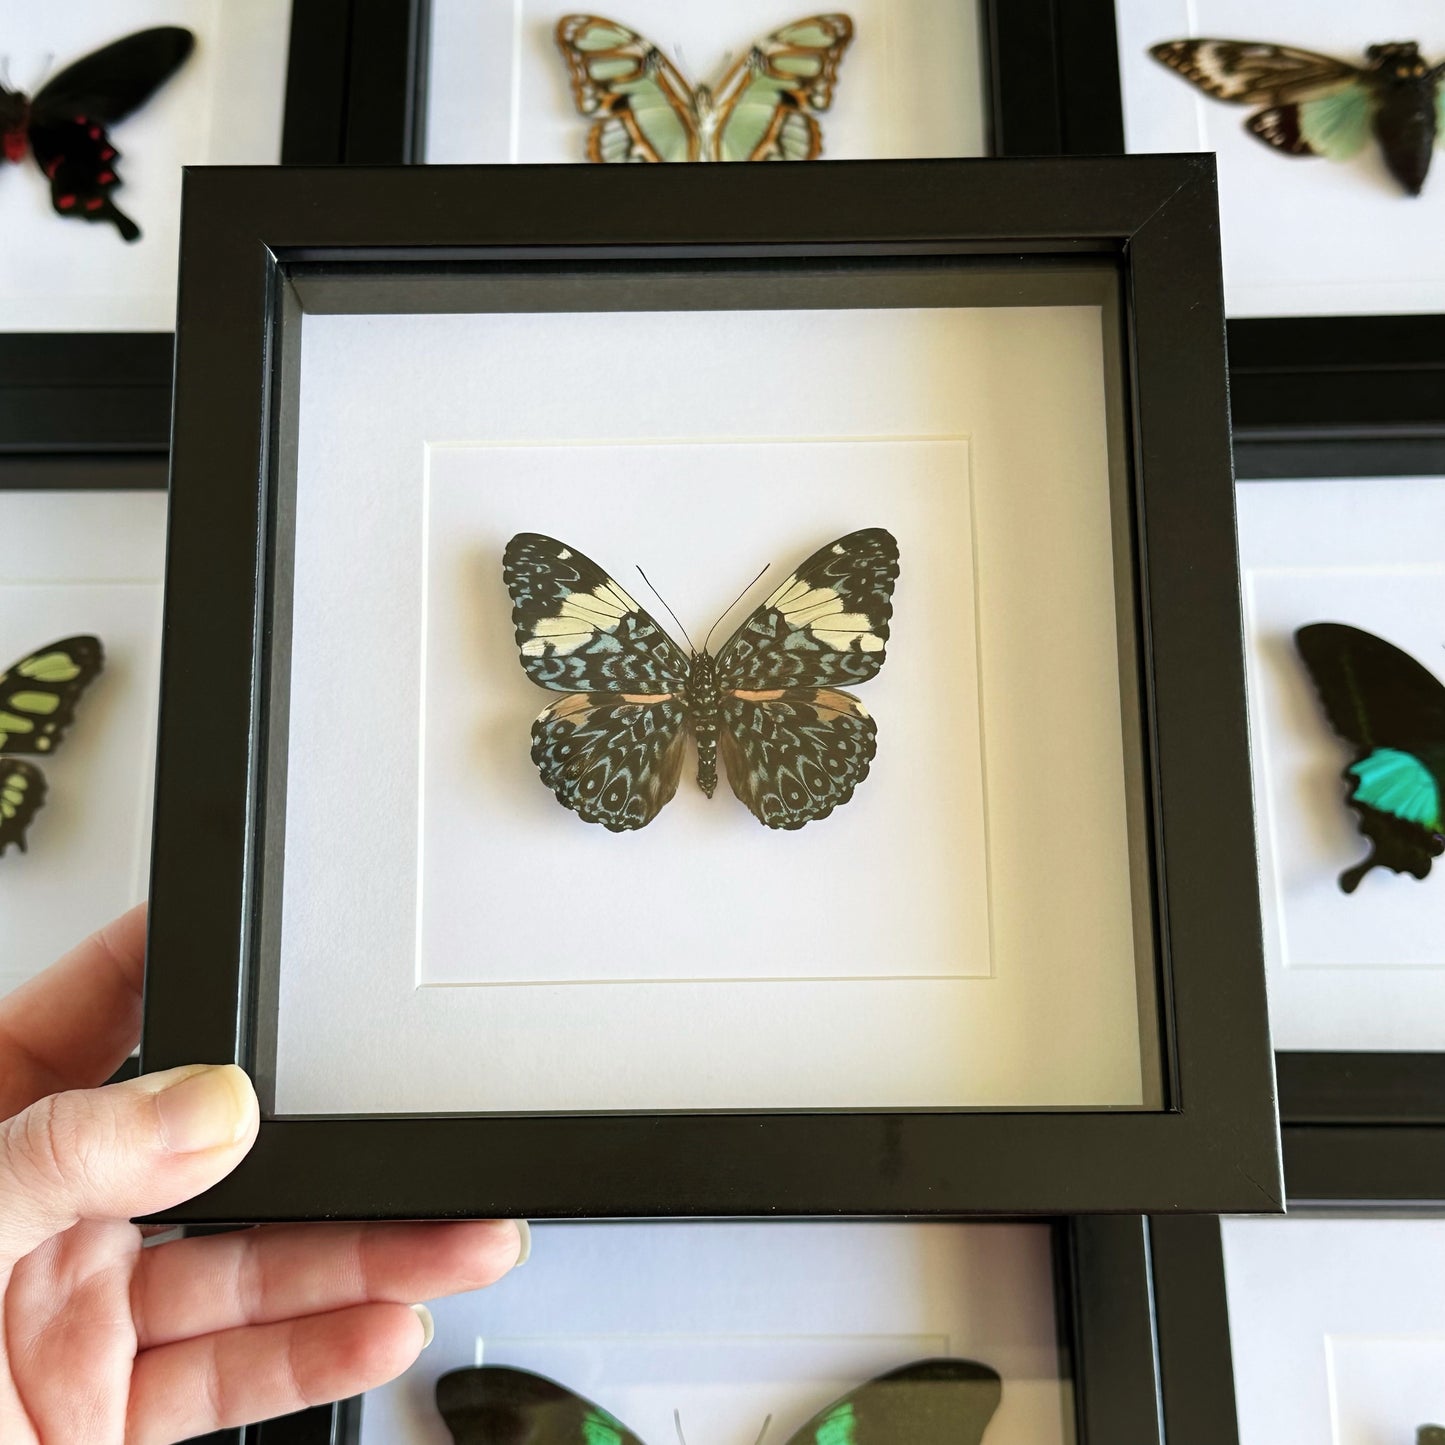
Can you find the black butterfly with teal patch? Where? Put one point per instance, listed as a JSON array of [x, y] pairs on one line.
[[930, 1402], [64, 125], [1316, 105], [37, 703], [1430, 1435], [1391, 710], [794, 746]]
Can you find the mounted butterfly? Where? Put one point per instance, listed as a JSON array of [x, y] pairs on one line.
[[1391, 710], [930, 1402], [763, 109], [64, 124], [1316, 105], [37, 703], [794, 746]]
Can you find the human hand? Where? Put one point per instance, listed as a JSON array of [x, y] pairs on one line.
[[109, 1343]]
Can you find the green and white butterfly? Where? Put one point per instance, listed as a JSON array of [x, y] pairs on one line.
[[762, 109], [37, 703], [930, 1402]]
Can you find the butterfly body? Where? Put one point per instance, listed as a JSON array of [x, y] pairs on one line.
[[1316, 105], [1391, 710], [643, 110], [794, 745], [64, 125], [37, 704]]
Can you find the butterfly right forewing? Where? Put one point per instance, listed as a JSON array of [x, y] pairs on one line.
[[929, 1402]]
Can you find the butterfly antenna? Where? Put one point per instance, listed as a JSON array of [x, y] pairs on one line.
[[764, 1430], [733, 604], [669, 610], [677, 1414]]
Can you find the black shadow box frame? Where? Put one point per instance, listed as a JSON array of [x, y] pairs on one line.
[[110, 392], [1361, 381], [260, 246], [1139, 1335], [1360, 1127]]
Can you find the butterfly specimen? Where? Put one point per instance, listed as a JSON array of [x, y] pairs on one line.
[[612, 748], [1315, 105], [1431, 1435], [643, 110], [37, 703], [64, 124], [1392, 711], [930, 1402]]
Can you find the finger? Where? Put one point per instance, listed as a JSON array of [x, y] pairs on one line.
[[232, 1378], [258, 1276], [72, 1026], [126, 1149]]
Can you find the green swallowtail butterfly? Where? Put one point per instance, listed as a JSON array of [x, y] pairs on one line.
[[794, 745], [37, 703], [930, 1402], [1315, 105], [1391, 710], [1431, 1435], [643, 110]]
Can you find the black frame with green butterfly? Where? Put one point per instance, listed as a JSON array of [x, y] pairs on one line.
[[1143, 1341], [1358, 1126], [106, 393], [265, 245], [1362, 380]]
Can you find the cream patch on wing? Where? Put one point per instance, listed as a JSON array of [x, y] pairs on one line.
[[820, 611], [582, 616]]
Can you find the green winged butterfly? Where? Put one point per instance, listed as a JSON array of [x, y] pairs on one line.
[[37, 703], [1430, 1435], [762, 110], [930, 1402], [1315, 105], [1391, 710]]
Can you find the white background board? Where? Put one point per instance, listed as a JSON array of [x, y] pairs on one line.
[[1337, 1328], [1301, 236], [1053, 1019], [223, 107], [728, 1323], [1345, 971], [83, 562], [497, 86]]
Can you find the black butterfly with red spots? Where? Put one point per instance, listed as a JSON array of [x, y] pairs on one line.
[[64, 124]]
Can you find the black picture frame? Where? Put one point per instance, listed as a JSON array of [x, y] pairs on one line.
[[1107, 1277], [1358, 1127], [101, 393], [259, 245], [1359, 381]]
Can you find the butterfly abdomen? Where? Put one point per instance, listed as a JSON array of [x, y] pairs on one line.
[[702, 711], [1405, 112]]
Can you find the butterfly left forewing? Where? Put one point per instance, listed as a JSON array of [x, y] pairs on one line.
[[22, 791], [929, 1402], [764, 102], [497, 1405], [39, 693], [1250, 72]]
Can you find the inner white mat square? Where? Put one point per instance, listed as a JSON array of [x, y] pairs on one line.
[[222, 107], [893, 883], [1055, 1018], [730, 1323], [1364, 970], [910, 84], [1300, 235], [83, 562], [1337, 1328]]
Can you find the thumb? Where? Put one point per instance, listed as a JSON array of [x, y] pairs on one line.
[[126, 1149]]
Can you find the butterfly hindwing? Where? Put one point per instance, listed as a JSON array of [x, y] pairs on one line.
[[22, 791], [39, 693], [69, 115], [930, 1402], [641, 107], [497, 1405], [764, 100], [1391, 710]]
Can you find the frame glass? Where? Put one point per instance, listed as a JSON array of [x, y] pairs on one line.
[[1095, 307]]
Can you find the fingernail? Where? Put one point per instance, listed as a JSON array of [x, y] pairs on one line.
[[524, 1241], [206, 1109], [428, 1324]]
